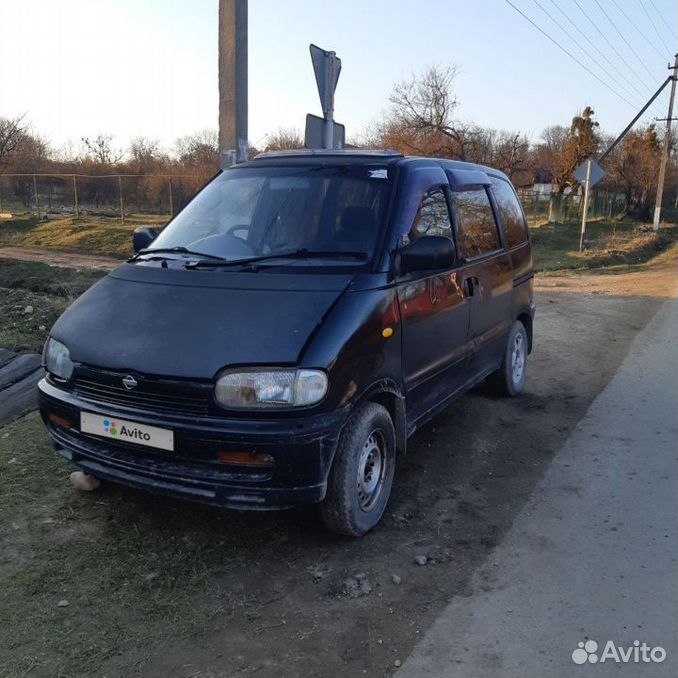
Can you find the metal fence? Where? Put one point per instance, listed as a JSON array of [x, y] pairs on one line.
[[110, 195], [120, 195], [602, 204]]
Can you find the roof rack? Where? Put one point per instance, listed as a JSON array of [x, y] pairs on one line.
[[313, 152]]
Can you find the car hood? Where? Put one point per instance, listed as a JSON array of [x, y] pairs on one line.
[[180, 323]]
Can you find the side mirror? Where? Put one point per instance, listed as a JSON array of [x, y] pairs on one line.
[[429, 253], [143, 237]]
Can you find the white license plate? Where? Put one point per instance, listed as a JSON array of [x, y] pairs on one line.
[[126, 431]]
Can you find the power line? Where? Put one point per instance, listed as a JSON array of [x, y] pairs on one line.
[[596, 48], [621, 35], [661, 16], [616, 51], [557, 44], [587, 16], [641, 33], [642, 4], [619, 83]]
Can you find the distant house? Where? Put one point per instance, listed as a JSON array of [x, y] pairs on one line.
[[541, 185]]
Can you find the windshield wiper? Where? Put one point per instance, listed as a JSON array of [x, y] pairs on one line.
[[294, 254], [179, 249]]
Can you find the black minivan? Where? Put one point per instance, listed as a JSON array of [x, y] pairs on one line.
[[281, 338]]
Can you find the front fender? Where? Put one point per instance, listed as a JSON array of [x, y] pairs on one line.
[[351, 345]]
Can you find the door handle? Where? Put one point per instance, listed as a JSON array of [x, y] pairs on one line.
[[471, 285]]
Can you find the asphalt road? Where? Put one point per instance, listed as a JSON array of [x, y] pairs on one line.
[[592, 555]]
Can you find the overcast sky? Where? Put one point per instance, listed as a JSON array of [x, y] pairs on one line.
[[149, 67]]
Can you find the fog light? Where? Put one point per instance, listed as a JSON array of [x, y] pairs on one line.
[[59, 421], [246, 458]]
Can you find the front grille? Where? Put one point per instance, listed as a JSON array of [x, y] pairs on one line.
[[151, 393]]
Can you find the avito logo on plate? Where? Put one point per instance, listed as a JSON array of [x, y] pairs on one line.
[[139, 433], [109, 427]]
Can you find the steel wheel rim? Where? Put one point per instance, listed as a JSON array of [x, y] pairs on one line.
[[518, 358], [371, 470]]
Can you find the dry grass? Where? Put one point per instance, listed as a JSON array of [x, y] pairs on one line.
[[91, 234], [608, 245]]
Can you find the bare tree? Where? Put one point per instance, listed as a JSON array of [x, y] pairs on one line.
[[199, 149], [426, 102], [511, 153], [633, 169], [421, 116], [12, 131], [145, 153], [100, 149], [284, 139]]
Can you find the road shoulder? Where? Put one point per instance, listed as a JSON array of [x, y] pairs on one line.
[[592, 555]]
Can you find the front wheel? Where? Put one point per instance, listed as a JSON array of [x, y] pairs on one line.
[[362, 472], [509, 379]]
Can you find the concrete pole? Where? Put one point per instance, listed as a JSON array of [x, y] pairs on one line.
[[232, 82], [665, 150], [587, 188]]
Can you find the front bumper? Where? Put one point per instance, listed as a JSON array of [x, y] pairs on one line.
[[302, 448]]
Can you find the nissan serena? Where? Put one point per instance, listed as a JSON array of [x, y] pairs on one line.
[[281, 338]]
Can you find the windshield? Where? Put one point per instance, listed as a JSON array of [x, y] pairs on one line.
[[255, 212]]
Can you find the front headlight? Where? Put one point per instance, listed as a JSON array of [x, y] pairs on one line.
[[266, 388], [56, 359]]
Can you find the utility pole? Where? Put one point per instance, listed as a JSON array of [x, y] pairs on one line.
[[587, 188], [665, 149], [232, 82]]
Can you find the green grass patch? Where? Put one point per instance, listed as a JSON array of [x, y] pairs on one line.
[[555, 247], [32, 296], [87, 235], [129, 581], [139, 571]]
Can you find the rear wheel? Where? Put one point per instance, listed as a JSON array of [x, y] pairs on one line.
[[509, 379], [362, 472]]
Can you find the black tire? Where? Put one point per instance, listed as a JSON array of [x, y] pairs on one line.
[[504, 381], [348, 508]]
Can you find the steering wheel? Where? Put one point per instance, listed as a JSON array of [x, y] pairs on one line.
[[202, 227], [238, 227], [223, 243]]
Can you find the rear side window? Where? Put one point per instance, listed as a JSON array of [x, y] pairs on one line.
[[510, 212], [477, 227]]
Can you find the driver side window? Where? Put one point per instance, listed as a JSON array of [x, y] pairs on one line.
[[432, 217]]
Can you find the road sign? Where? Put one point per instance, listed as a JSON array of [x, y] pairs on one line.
[[326, 66], [597, 172], [315, 133]]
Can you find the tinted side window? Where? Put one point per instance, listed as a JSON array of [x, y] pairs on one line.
[[478, 229], [432, 217], [510, 212]]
